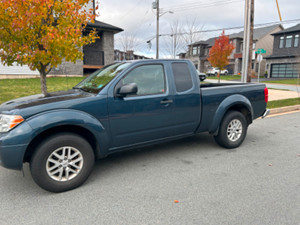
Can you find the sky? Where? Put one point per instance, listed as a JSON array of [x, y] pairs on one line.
[[138, 20]]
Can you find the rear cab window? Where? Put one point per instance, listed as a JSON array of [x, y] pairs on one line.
[[182, 76]]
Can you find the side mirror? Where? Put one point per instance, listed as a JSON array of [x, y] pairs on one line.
[[127, 89]]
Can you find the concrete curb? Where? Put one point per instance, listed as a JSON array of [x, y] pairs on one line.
[[284, 109]]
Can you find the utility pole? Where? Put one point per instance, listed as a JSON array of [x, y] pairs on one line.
[[157, 29], [251, 42], [248, 41]]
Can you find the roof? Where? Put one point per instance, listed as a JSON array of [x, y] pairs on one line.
[[258, 33], [209, 42], [100, 26], [289, 30]]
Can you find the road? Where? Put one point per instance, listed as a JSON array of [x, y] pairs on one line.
[[257, 183]]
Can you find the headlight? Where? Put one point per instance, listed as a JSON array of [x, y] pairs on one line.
[[8, 122]]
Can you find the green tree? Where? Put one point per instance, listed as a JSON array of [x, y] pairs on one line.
[[41, 33], [219, 53]]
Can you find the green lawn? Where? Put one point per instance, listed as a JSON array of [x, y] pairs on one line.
[[284, 102], [290, 81], [16, 88], [227, 77]]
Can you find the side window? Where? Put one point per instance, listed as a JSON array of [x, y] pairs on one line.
[[281, 42], [182, 76], [150, 79]]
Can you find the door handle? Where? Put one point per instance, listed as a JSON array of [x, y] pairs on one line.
[[166, 101]]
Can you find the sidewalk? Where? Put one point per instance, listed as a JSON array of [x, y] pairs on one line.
[[280, 94]]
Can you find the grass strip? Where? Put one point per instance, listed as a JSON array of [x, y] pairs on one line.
[[16, 88], [289, 81], [283, 103], [225, 77]]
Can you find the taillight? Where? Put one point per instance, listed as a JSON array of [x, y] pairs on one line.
[[266, 95]]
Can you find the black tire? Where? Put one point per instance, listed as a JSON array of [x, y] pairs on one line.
[[216, 74], [225, 73], [74, 164], [232, 131]]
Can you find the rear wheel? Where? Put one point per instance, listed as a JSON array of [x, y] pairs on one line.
[[62, 162], [232, 131]]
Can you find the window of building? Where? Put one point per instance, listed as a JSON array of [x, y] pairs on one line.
[[296, 41], [182, 76], [206, 52], [195, 50], [288, 41], [281, 42]]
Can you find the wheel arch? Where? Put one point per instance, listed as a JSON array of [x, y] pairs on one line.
[[72, 129], [233, 103]]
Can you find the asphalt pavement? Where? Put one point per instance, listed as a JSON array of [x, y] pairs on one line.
[[258, 183]]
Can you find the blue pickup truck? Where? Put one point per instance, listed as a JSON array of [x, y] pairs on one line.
[[122, 106]]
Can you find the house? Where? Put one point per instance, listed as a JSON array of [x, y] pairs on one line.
[[262, 38], [285, 59], [128, 55], [96, 55]]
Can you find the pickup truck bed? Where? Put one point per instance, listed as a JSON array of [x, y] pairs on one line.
[[214, 94]]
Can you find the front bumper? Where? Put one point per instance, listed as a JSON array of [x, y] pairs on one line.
[[13, 145], [11, 157]]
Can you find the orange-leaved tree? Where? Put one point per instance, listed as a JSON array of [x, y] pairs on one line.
[[219, 53], [41, 33]]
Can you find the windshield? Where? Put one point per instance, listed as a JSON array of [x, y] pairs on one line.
[[99, 79]]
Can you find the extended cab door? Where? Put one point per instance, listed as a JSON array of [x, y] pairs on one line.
[[187, 99], [146, 115]]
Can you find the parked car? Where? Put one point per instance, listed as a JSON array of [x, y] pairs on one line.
[[214, 71], [202, 76], [121, 106]]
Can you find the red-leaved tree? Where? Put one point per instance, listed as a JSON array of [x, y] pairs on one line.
[[41, 33], [219, 53]]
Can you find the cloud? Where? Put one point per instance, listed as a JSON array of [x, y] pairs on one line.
[[138, 18]]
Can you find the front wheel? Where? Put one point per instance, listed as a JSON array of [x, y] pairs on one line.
[[232, 131], [62, 162]]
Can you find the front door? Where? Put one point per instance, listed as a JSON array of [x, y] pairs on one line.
[[146, 115]]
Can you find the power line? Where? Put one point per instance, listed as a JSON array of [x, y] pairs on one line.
[[202, 5], [238, 27], [198, 3]]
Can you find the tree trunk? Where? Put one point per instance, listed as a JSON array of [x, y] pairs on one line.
[[43, 82], [219, 76]]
